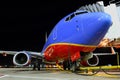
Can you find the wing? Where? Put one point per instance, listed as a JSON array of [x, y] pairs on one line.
[[33, 54], [23, 58], [8, 52]]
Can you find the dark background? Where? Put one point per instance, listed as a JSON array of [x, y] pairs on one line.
[[23, 24]]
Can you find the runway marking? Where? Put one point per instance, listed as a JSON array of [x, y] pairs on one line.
[[2, 76]]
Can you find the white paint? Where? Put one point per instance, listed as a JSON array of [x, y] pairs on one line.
[[114, 31], [118, 9], [3, 76]]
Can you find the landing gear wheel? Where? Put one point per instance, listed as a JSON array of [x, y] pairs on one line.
[[34, 66], [64, 65], [69, 68], [38, 66], [73, 68]]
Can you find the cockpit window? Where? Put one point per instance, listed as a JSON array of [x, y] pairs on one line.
[[74, 14], [70, 17], [80, 13]]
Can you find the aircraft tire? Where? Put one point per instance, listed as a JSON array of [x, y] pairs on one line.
[[73, 67], [38, 67], [64, 65], [34, 66]]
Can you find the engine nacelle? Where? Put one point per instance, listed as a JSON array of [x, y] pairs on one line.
[[22, 58], [90, 62]]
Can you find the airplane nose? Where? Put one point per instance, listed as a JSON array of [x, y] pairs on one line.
[[97, 28], [103, 24], [105, 19]]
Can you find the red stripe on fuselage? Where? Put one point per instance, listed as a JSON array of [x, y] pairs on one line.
[[63, 51]]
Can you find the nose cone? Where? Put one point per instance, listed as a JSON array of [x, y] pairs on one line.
[[98, 25], [104, 19], [103, 24]]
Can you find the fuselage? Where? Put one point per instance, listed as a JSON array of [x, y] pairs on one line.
[[80, 31]]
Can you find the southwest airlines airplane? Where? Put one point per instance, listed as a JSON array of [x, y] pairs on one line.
[[71, 41]]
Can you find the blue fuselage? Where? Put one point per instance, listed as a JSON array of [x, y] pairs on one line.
[[80, 27]]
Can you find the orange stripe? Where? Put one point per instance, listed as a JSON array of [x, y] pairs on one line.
[[70, 44], [63, 50]]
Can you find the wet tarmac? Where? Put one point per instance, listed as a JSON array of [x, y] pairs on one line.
[[50, 74]]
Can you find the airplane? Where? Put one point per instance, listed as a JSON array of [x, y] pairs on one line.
[[71, 41]]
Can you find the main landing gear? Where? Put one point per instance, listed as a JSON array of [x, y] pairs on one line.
[[73, 66], [36, 64], [66, 65]]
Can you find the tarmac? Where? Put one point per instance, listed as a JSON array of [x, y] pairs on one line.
[[51, 74]]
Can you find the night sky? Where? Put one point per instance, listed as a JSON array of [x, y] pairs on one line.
[[24, 28]]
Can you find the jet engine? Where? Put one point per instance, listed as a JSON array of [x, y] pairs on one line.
[[22, 58], [89, 60]]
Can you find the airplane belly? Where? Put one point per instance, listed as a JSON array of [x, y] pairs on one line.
[[62, 51]]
